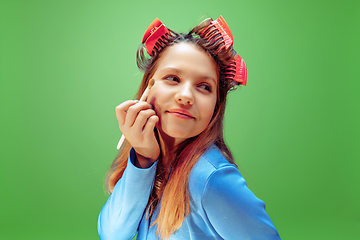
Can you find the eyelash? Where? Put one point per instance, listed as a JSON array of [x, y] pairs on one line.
[[204, 86], [207, 86], [172, 77]]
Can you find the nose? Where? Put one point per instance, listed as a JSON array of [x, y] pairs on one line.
[[184, 95]]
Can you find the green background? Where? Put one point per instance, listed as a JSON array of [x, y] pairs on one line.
[[294, 130]]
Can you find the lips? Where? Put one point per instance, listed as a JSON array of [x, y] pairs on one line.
[[181, 113]]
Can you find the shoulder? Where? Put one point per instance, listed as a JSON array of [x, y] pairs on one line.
[[213, 177], [213, 160], [220, 193], [211, 165]]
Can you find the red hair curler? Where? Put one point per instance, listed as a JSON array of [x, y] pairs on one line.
[[154, 36], [218, 30], [236, 70]]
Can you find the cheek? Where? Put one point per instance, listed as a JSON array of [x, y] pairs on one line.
[[207, 109], [157, 98], [153, 95]]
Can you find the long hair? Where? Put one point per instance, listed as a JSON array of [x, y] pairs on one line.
[[171, 191]]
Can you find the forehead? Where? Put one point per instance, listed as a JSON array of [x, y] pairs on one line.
[[188, 58]]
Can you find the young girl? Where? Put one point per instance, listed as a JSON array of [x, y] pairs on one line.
[[174, 177]]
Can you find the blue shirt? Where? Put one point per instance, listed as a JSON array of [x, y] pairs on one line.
[[221, 205]]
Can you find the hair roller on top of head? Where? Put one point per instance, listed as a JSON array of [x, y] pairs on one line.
[[218, 33], [236, 70], [154, 36], [205, 23]]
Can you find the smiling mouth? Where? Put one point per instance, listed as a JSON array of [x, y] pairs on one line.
[[180, 113]]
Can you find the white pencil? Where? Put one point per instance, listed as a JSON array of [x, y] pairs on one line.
[[143, 98]]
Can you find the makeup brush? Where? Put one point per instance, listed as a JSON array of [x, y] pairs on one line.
[[143, 98]]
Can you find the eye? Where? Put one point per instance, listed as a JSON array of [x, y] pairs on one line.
[[172, 78], [205, 87]]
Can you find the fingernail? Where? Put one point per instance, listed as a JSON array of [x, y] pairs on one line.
[[136, 101]]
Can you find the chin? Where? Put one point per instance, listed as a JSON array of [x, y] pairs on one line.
[[180, 134], [177, 135]]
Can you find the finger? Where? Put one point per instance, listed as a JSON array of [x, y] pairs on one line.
[[150, 125], [121, 109], [133, 112], [142, 118]]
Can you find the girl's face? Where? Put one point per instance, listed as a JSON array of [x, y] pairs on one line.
[[185, 91]]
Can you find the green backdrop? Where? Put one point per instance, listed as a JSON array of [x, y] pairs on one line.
[[65, 65]]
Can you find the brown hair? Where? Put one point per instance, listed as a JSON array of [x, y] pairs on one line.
[[173, 190]]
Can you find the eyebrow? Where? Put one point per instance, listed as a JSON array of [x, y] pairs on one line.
[[166, 69]]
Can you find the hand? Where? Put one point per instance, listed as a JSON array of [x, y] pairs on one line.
[[137, 122]]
